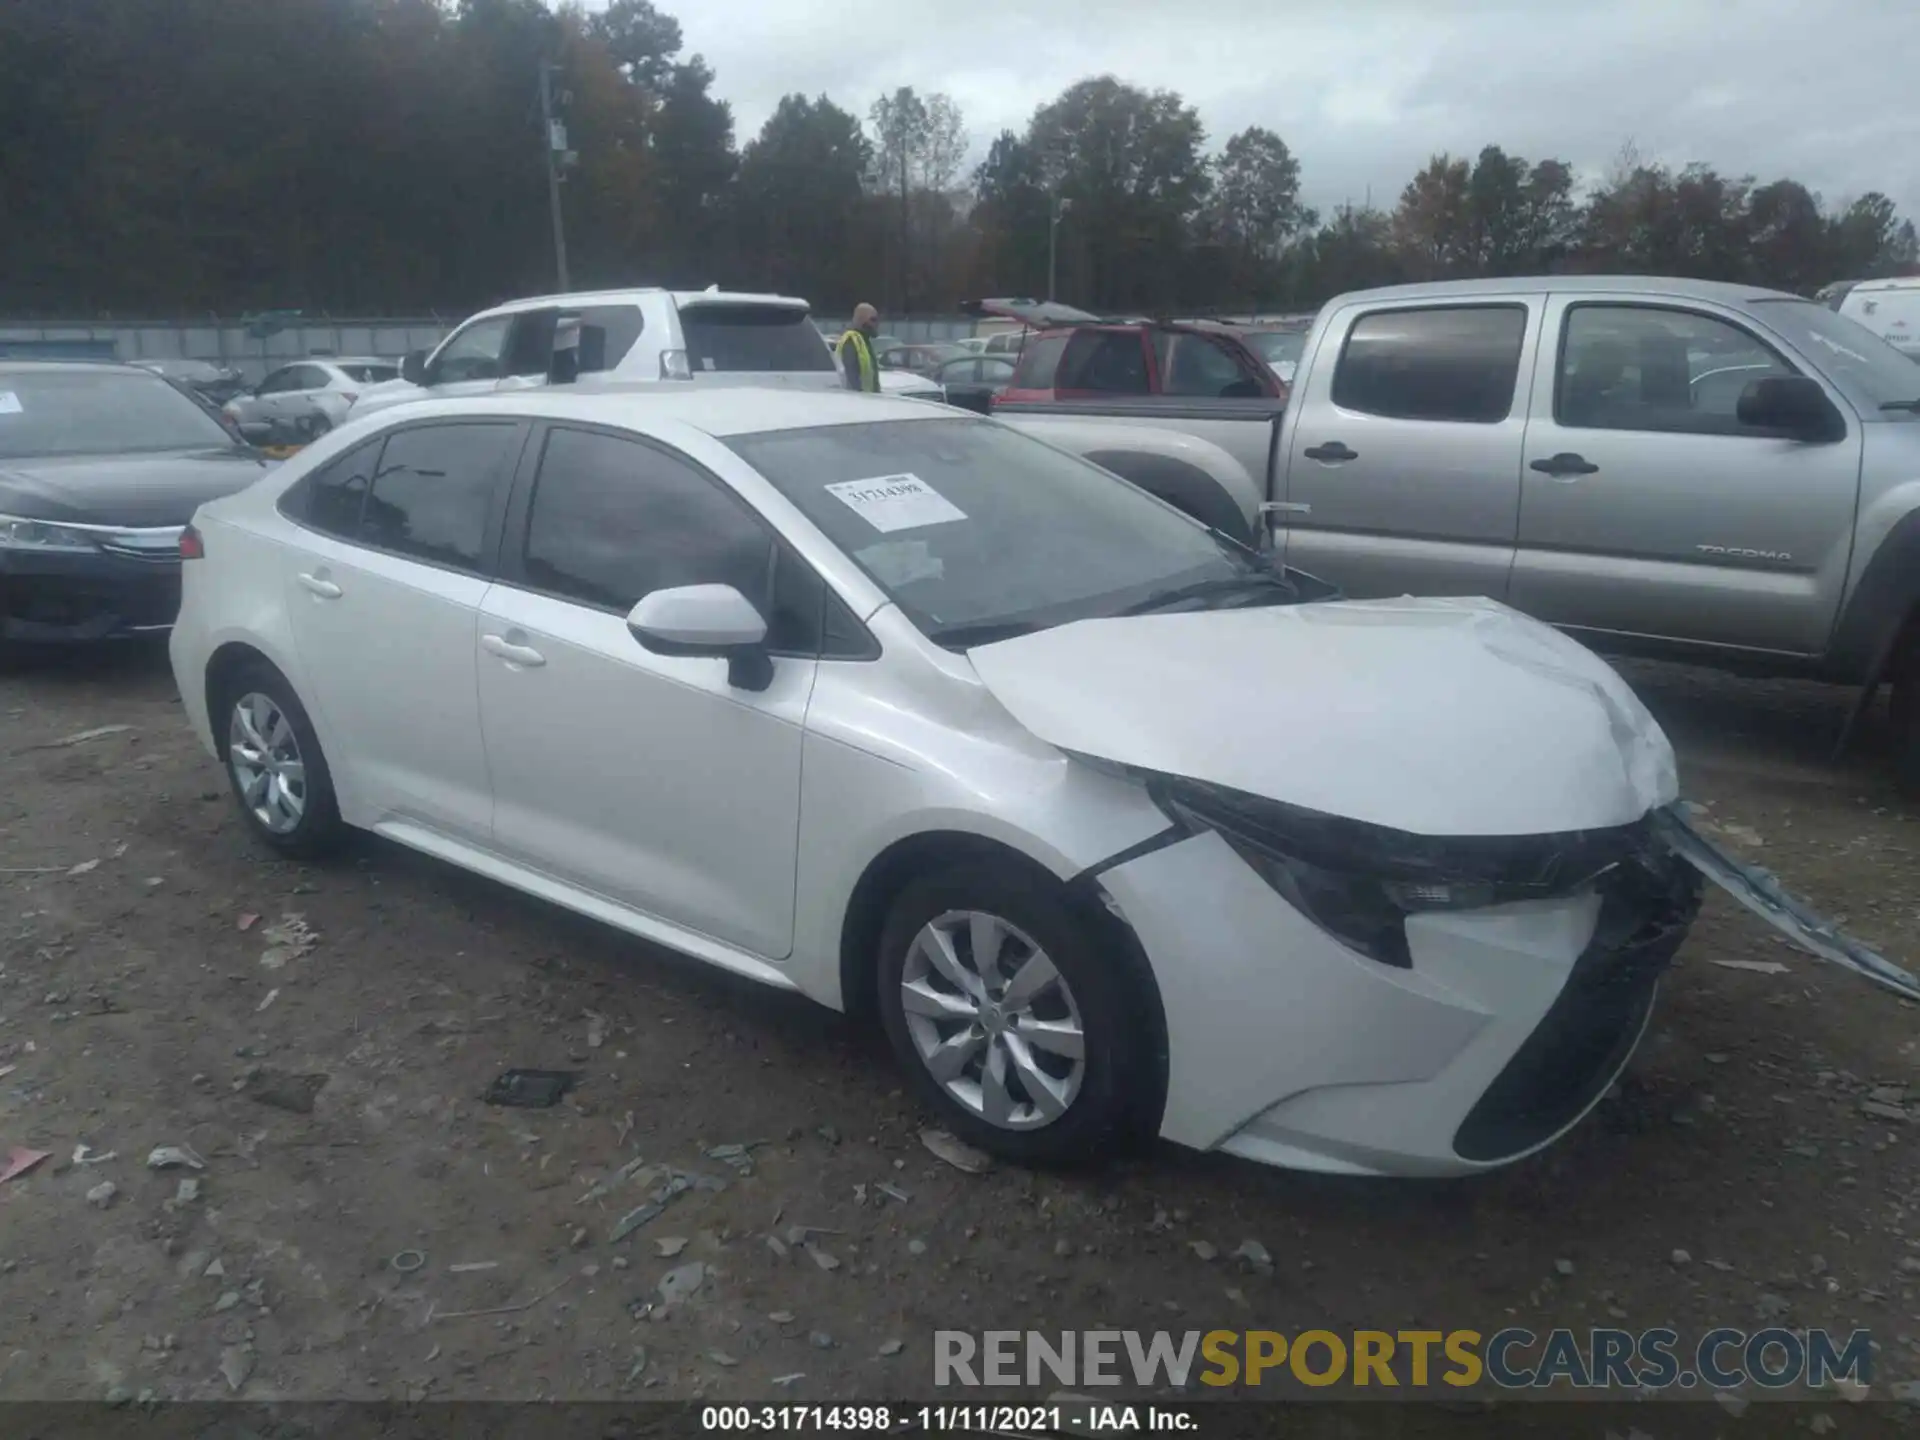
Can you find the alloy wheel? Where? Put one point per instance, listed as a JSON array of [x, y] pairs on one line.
[[264, 754], [993, 1020]]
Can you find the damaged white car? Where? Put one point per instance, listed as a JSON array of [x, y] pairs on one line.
[[1113, 826]]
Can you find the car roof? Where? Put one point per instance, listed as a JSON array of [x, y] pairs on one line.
[[632, 295], [719, 411], [1672, 287], [1890, 282], [44, 367]]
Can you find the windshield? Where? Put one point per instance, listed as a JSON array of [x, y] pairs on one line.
[[762, 338], [98, 412], [1275, 346], [970, 527], [1868, 371]]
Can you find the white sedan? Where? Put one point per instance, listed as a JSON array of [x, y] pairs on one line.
[[1114, 826]]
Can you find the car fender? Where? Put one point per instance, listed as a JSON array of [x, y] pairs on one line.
[[1883, 596], [1193, 475], [1885, 588]]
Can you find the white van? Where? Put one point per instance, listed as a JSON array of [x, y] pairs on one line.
[[1889, 308]]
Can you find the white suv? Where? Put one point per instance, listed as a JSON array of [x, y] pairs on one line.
[[709, 336], [702, 336]]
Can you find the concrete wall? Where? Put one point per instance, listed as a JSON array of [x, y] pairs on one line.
[[227, 343], [222, 342]]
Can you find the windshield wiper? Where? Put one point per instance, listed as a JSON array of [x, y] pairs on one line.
[[964, 637], [1208, 589], [1913, 406]]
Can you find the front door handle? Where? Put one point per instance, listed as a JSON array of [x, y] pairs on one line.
[[1564, 464], [513, 654], [320, 586], [1332, 450]]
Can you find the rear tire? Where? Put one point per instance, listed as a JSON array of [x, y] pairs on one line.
[[991, 1047], [275, 764]]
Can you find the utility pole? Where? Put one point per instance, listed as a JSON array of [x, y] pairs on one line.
[[553, 139], [1060, 207]]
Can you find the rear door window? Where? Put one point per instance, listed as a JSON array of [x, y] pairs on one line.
[[1104, 362], [329, 499], [607, 333], [751, 338], [1039, 361], [1456, 363], [434, 492]]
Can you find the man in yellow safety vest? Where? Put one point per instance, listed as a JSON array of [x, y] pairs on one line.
[[857, 363]]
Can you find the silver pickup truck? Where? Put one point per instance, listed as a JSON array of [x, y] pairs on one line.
[[1701, 471]]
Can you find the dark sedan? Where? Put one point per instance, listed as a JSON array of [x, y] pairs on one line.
[[101, 466]]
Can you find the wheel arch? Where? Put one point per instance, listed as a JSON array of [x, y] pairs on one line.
[[1880, 617], [228, 660], [913, 856], [1185, 486]]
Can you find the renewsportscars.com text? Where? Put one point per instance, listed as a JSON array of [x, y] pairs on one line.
[[1511, 1359]]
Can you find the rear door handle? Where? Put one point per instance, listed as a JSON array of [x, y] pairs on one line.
[[1332, 450], [324, 588], [1565, 463], [513, 654]]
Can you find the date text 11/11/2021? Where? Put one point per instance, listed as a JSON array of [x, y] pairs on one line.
[[1092, 1417]]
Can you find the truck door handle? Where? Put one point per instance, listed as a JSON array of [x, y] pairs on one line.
[[1565, 463], [320, 586], [513, 654], [1332, 450]]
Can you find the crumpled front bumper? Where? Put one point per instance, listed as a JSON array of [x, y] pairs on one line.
[[67, 598], [1287, 1047]]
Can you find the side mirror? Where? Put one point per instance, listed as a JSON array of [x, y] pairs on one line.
[[1792, 405], [413, 367], [712, 620]]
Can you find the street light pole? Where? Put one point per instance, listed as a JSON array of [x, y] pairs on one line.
[[1060, 207], [553, 142]]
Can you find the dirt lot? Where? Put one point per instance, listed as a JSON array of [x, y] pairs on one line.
[[140, 1007]]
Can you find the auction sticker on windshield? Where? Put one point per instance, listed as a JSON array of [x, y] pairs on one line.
[[9, 403], [896, 502]]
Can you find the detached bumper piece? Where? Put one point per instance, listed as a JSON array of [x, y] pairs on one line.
[[1760, 891], [64, 600], [1647, 905]]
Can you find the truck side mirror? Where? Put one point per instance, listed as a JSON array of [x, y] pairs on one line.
[[413, 367], [1791, 405]]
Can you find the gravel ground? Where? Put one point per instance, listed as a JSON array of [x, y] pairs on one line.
[[164, 982]]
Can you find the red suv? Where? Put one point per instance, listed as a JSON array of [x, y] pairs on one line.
[[1073, 356]]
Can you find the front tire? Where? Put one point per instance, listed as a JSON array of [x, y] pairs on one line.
[[1009, 1022], [274, 762]]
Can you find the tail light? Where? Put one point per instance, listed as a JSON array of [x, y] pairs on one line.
[[191, 547]]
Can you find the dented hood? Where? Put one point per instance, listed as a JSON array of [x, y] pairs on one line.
[[1432, 716]]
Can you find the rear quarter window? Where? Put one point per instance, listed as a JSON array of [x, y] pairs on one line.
[[751, 338], [1454, 363]]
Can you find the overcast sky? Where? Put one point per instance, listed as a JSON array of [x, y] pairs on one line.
[[1822, 91]]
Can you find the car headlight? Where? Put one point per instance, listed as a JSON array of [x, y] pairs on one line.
[[1361, 882], [18, 534]]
